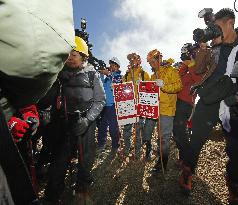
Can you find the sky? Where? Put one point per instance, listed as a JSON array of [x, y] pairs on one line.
[[119, 27]]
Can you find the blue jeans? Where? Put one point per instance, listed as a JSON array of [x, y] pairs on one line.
[[108, 119], [166, 124]]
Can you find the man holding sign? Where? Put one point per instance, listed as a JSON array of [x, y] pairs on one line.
[[135, 73], [168, 79]]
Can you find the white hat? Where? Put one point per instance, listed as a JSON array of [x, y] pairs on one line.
[[115, 60]]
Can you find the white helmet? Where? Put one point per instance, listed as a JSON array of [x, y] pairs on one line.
[[115, 60]]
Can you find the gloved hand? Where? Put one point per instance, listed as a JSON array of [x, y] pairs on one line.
[[231, 100], [138, 82], [83, 125], [160, 83], [30, 115], [18, 128]]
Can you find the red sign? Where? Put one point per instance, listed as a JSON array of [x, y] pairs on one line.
[[148, 100], [125, 103], [123, 92]]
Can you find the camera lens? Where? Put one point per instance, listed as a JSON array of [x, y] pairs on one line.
[[198, 35]]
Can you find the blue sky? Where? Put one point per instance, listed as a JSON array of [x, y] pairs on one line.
[[100, 20], [118, 27]]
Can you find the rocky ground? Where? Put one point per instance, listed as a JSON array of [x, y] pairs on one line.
[[129, 182]]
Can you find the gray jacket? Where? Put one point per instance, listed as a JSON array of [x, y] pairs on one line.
[[84, 91]]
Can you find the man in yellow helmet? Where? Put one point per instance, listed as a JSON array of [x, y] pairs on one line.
[[170, 84], [135, 73], [81, 101]]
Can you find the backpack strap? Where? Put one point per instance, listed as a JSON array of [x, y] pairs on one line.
[[126, 75], [143, 75]]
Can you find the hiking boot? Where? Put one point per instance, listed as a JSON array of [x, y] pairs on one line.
[[185, 180], [57, 202], [137, 155], [148, 150], [83, 198], [100, 150], [157, 169], [35, 202], [179, 164], [126, 152], [81, 188], [114, 151], [233, 191]]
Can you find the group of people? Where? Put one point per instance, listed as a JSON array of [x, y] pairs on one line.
[[63, 99]]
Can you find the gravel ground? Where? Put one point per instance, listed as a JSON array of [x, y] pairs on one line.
[[129, 182]]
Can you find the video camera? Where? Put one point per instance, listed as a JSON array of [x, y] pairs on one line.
[[188, 50], [97, 64], [212, 31]]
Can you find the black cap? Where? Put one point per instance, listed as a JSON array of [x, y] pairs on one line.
[[225, 13]]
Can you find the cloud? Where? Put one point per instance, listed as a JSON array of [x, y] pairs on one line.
[[162, 24]]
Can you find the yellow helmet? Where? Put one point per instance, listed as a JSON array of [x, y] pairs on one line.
[[134, 59], [81, 46], [153, 54]]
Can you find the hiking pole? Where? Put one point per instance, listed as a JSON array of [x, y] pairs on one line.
[[135, 125], [63, 104], [31, 162], [158, 124], [32, 168], [189, 120]]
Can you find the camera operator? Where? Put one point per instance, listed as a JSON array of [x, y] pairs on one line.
[[108, 116], [206, 114], [29, 65], [228, 114], [168, 79]]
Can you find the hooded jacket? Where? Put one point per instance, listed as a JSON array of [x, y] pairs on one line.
[[82, 91], [168, 93]]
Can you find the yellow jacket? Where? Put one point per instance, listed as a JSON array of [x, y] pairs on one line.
[[168, 93], [138, 75]]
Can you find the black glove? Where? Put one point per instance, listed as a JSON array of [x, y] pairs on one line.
[[231, 100], [83, 124]]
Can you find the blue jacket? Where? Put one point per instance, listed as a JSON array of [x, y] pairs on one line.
[[107, 81]]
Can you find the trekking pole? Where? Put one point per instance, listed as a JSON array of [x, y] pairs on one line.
[[120, 140], [135, 125], [32, 168], [31, 162], [158, 125], [189, 120], [66, 130]]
